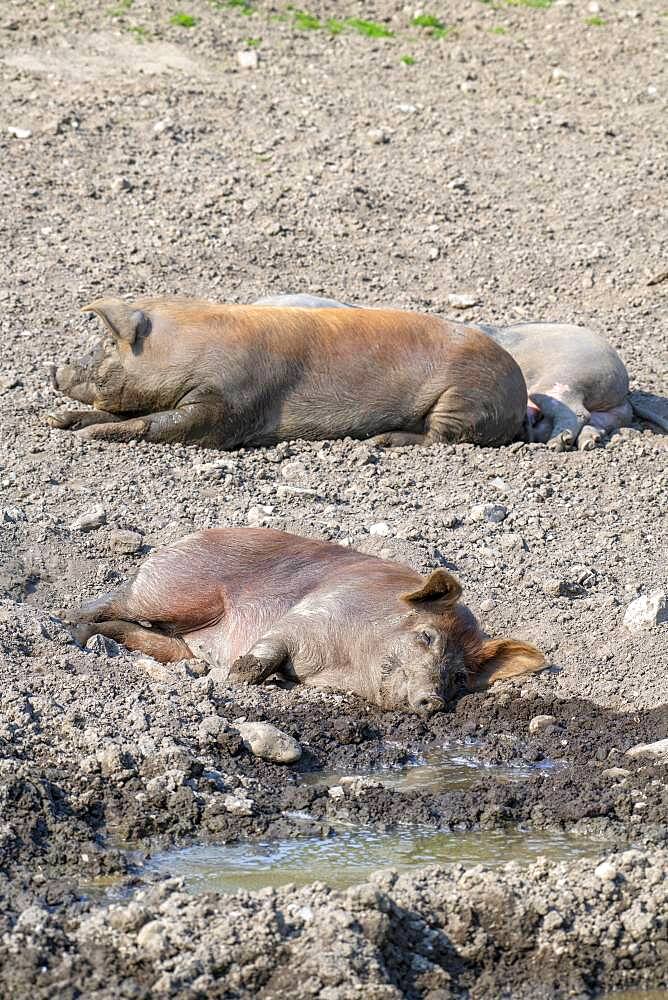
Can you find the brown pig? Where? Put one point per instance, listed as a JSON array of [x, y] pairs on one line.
[[230, 376], [254, 602]]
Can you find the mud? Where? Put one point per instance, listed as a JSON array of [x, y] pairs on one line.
[[517, 159]]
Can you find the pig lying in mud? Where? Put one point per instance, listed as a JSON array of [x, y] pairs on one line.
[[577, 383], [254, 602], [231, 376]]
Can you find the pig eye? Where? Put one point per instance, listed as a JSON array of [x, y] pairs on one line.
[[426, 638]]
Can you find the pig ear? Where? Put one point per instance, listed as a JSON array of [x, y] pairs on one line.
[[123, 322], [502, 658], [440, 586]]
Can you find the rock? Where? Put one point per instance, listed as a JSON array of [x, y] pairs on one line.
[[91, 519], [152, 937], [606, 871], [248, 59], [658, 749], [103, 646], [285, 490], [336, 792], [9, 380], [492, 512], [259, 515], [381, 528], [269, 743], [120, 184], [19, 133], [541, 722], [458, 184], [293, 471], [377, 136], [239, 805], [210, 728], [615, 772], [462, 301], [125, 541], [488, 605], [650, 609], [156, 671], [13, 515]]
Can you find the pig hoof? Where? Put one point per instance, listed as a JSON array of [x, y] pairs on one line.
[[246, 669], [61, 419], [82, 633]]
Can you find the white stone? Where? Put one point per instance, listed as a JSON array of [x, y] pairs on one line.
[[336, 792], [269, 743], [492, 512], [650, 609], [381, 528], [259, 515], [463, 301], [541, 722], [658, 749], [19, 133], [606, 871], [90, 519], [239, 805], [248, 59]]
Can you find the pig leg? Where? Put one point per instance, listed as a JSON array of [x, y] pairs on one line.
[[566, 412], [395, 439], [165, 648], [74, 420], [268, 656], [188, 423]]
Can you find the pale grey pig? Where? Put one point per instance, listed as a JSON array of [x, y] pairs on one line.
[[254, 602]]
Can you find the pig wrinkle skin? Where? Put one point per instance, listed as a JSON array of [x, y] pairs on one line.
[[577, 384], [231, 376], [255, 602]]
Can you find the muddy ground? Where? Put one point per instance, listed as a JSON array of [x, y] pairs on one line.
[[519, 156]]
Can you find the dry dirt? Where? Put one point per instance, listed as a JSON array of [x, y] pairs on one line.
[[521, 157]]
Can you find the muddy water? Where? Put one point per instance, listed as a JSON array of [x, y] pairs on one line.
[[453, 766], [354, 853]]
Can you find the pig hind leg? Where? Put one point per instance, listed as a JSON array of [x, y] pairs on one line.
[[165, 648], [563, 416], [602, 423], [187, 423]]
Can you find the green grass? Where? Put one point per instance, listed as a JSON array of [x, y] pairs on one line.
[[181, 20], [306, 22], [498, 30], [120, 9], [253, 43], [334, 27], [536, 4], [433, 24], [243, 6], [369, 28], [408, 60], [141, 34], [595, 22]]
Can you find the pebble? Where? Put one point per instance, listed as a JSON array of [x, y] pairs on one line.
[[463, 301], [120, 184], [248, 59], [488, 605], [293, 470], [658, 749], [90, 520], [285, 490], [239, 805], [269, 743], [541, 722], [650, 609], [606, 871], [377, 136], [152, 937], [19, 133], [381, 528], [259, 515], [125, 541], [103, 646], [458, 184], [336, 792], [615, 772], [492, 512]]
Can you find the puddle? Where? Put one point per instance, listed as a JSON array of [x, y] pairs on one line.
[[453, 766], [354, 853]]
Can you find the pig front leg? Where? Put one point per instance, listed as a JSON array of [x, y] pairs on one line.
[[74, 420], [270, 655], [189, 423], [563, 415]]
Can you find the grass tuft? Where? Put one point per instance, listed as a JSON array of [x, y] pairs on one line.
[[369, 28], [181, 20], [408, 60]]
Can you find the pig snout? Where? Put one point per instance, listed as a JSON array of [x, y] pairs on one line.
[[426, 702], [74, 381]]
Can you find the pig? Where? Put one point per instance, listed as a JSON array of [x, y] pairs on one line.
[[256, 602], [577, 384], [228, 376]]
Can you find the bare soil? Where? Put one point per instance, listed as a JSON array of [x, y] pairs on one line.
[[521, 158]]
